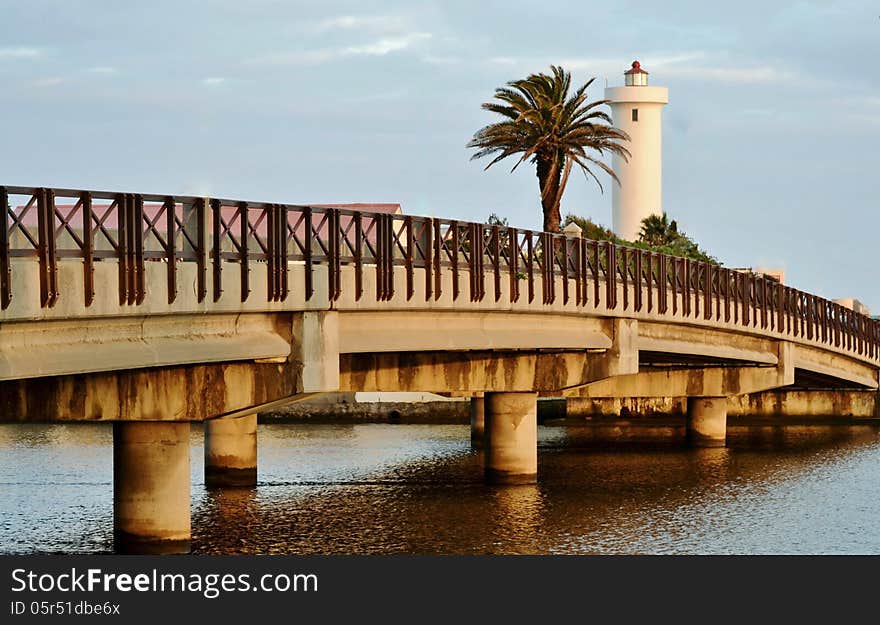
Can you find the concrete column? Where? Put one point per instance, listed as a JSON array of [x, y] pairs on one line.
[[478, 422], [151, 503], [707, 421], [511, 438], [231, 452]]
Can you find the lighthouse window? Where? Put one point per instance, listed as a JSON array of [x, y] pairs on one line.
[[635, 115]]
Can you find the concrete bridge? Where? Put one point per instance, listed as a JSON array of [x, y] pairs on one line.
[[153, 311]]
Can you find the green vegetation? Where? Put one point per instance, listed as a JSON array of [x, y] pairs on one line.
[[657, 235], [552, 130], [495, 220]]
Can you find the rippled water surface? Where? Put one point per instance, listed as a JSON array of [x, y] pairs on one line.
[[418, 489]]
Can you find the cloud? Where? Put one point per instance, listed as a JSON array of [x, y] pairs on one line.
[[20, 53], [213, 81], [385, 45], [433, 59], [103, 70], [361, 22], [51, 81], [596, 66], [689, 65], [757, 74], [379, 47]]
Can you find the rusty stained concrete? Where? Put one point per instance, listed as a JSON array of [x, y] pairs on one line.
[[182, 393], [786, 405]]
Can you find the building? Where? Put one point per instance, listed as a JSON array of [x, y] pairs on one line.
[[854, 305], [777, 275], [637, 109]]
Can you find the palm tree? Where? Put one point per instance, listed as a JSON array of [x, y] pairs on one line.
[[658, 230], [552, 130]]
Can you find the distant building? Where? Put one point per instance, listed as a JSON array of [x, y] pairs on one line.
[[776, 275], [854, 305]]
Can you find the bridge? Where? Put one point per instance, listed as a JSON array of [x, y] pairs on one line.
[[153, 311]]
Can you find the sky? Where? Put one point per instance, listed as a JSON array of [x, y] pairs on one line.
[[771, 139]]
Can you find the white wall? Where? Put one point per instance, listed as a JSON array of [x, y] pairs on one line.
[[640, 192]]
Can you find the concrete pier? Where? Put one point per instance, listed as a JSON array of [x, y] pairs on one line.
[[707, 421], [478, 422], [511, 438], [151, 487], [231, 452]]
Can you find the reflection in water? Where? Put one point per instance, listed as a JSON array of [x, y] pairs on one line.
[[517, 517], [418, 489]]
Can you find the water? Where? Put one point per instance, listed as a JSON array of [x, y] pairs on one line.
[[381, 488]]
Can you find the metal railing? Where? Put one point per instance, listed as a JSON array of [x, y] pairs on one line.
[[135, 229]]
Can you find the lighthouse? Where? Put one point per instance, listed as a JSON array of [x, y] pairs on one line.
[[637, 109]]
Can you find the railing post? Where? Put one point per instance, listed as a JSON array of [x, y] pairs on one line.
[[46, 250], [171, 247], [88, 249], [122, 245], [334, 270], [428, 226], [513, 262], [358, 256], [496, 260], [307, 250], [707, 290], [725, 278], [5, 264], [408, 256], [610, 275], [475, 266], [456, 250], [194, 216], [272, 254], [438, 258], [244, 255], [530, 264], [637, 280], [686, 286], [663, 304], [140, 289], [216, 249], [596, 273]]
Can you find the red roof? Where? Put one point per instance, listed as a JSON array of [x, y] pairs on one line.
[[636, 69], [391, 209]]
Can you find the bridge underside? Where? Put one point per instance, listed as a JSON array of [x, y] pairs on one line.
[[180, 393], [285, 356]]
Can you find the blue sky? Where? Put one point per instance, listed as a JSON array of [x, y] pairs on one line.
[[770, 137]]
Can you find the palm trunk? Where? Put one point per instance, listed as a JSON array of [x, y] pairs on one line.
[[549, 174]]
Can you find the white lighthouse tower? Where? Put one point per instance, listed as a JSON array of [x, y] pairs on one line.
[[637, 109]]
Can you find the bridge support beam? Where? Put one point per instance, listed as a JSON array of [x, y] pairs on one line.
[[478, 422], [231, 452], [151, 487], [707, 421], [511, 438]]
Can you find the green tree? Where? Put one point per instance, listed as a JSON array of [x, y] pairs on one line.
[[658, 230], [590, 229], [495, 220], [555, 131]]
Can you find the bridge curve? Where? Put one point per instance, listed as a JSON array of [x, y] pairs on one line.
[[153, 310], [229, 257]]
